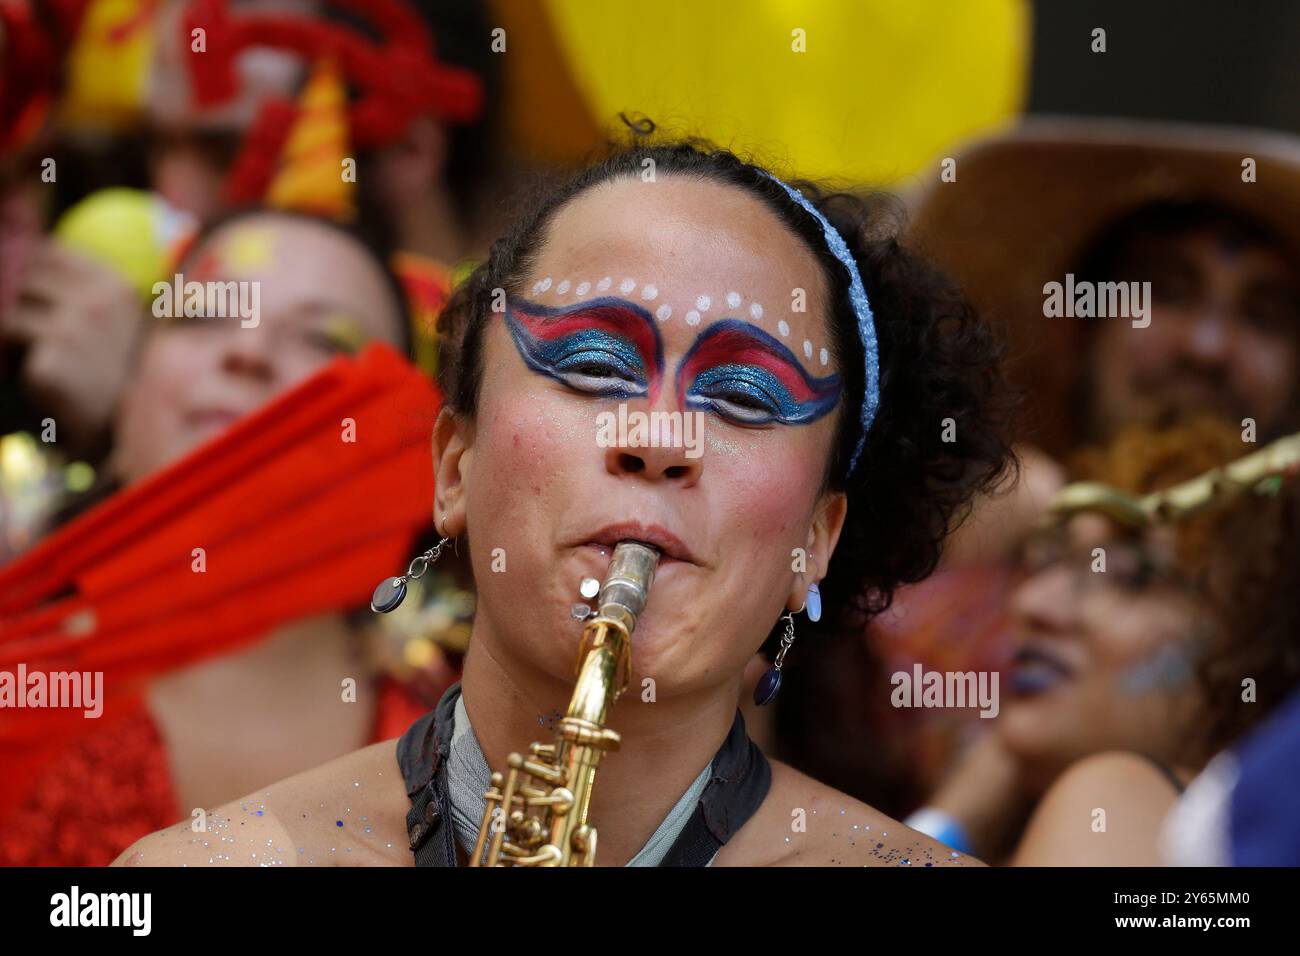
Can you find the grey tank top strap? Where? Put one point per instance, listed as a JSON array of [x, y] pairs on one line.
[[740, 778]]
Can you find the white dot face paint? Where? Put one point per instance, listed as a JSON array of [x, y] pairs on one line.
[[650, 293]]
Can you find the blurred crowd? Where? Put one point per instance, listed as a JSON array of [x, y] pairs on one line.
[[351, 161]]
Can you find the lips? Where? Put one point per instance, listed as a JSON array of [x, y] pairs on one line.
[[668, 544], [205, 422], [1036, 670]]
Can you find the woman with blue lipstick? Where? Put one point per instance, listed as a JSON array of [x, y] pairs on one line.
[[850, 405], [1135, 660]]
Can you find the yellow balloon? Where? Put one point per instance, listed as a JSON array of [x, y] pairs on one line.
[[865, 91], [132, 232]]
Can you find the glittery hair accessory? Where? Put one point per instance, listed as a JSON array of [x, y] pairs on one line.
[[861, 307]]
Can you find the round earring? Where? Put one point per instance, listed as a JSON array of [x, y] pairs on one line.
[[392, 591], [770, 683]]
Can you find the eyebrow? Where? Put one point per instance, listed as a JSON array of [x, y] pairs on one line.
[[744, 342], [610, 313], [733, 341]]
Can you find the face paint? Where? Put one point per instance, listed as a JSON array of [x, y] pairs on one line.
[[247, 250], [344, 332], [1167, 669], [206, 267], [746, 375], [692, 309], [605, 347]]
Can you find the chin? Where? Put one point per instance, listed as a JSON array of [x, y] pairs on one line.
[[1034, 733]]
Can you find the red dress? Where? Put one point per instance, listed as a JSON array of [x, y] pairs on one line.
[[114, 786]]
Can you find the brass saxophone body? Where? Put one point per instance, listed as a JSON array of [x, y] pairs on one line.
[[536, 814]]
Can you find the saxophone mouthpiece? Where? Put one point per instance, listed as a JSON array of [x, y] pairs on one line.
[[627, 583]]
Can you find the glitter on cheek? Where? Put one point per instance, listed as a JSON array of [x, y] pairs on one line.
[[726, 445]]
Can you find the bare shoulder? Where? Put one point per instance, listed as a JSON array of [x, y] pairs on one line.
[[348, 812], [1105, 810], [803, 822]]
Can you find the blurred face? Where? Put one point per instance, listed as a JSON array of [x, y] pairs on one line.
[[321, 295], [1103, 659], [1225, 323], [666, 297], [20, 225]]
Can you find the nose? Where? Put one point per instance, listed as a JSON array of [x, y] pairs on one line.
[[659, 444], [660, 464], [1045, 603], [1206, 338], [247, 353]]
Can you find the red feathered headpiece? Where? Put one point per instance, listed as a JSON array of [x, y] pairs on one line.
[[35, 42], [398, 78]]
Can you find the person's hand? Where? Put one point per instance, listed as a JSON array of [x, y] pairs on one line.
[[79, 321], [984, 791]]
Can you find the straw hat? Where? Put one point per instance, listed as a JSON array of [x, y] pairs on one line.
[[1026, 204]]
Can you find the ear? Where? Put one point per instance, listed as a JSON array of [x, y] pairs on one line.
[[823, 535], [453, 456], [417, 160]]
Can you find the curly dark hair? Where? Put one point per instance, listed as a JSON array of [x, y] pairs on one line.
[[937, 362], [1255, 604]]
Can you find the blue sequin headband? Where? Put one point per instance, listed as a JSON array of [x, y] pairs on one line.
[[861, 307]]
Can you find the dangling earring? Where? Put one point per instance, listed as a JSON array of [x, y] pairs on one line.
[[392, 591], [770, 684]]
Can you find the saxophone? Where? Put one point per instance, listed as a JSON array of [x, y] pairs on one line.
[[537, 815], [1259, 472]]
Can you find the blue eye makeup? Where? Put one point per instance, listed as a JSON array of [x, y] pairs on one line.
[[747, 393], [604, 347], [747, 376]]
